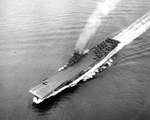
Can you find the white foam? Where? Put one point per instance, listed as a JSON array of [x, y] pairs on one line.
[[134, 30]]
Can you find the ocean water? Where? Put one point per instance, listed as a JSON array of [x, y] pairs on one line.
[[37, 37]]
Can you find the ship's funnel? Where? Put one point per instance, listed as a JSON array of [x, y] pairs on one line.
[[75, 58], [94, 21]]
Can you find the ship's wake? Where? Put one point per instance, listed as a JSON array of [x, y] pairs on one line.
[[135, 30], [94, 21]]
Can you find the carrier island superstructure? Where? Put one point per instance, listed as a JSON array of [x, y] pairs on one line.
[[86, 65]]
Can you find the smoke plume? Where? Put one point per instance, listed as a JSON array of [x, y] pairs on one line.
[[102, 10]]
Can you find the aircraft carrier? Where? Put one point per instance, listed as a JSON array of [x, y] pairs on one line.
[[91, 62]]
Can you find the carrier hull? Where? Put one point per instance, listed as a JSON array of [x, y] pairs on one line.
[[62, 80], [95, 61]]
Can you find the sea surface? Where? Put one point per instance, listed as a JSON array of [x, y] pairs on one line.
[[38, 36]]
